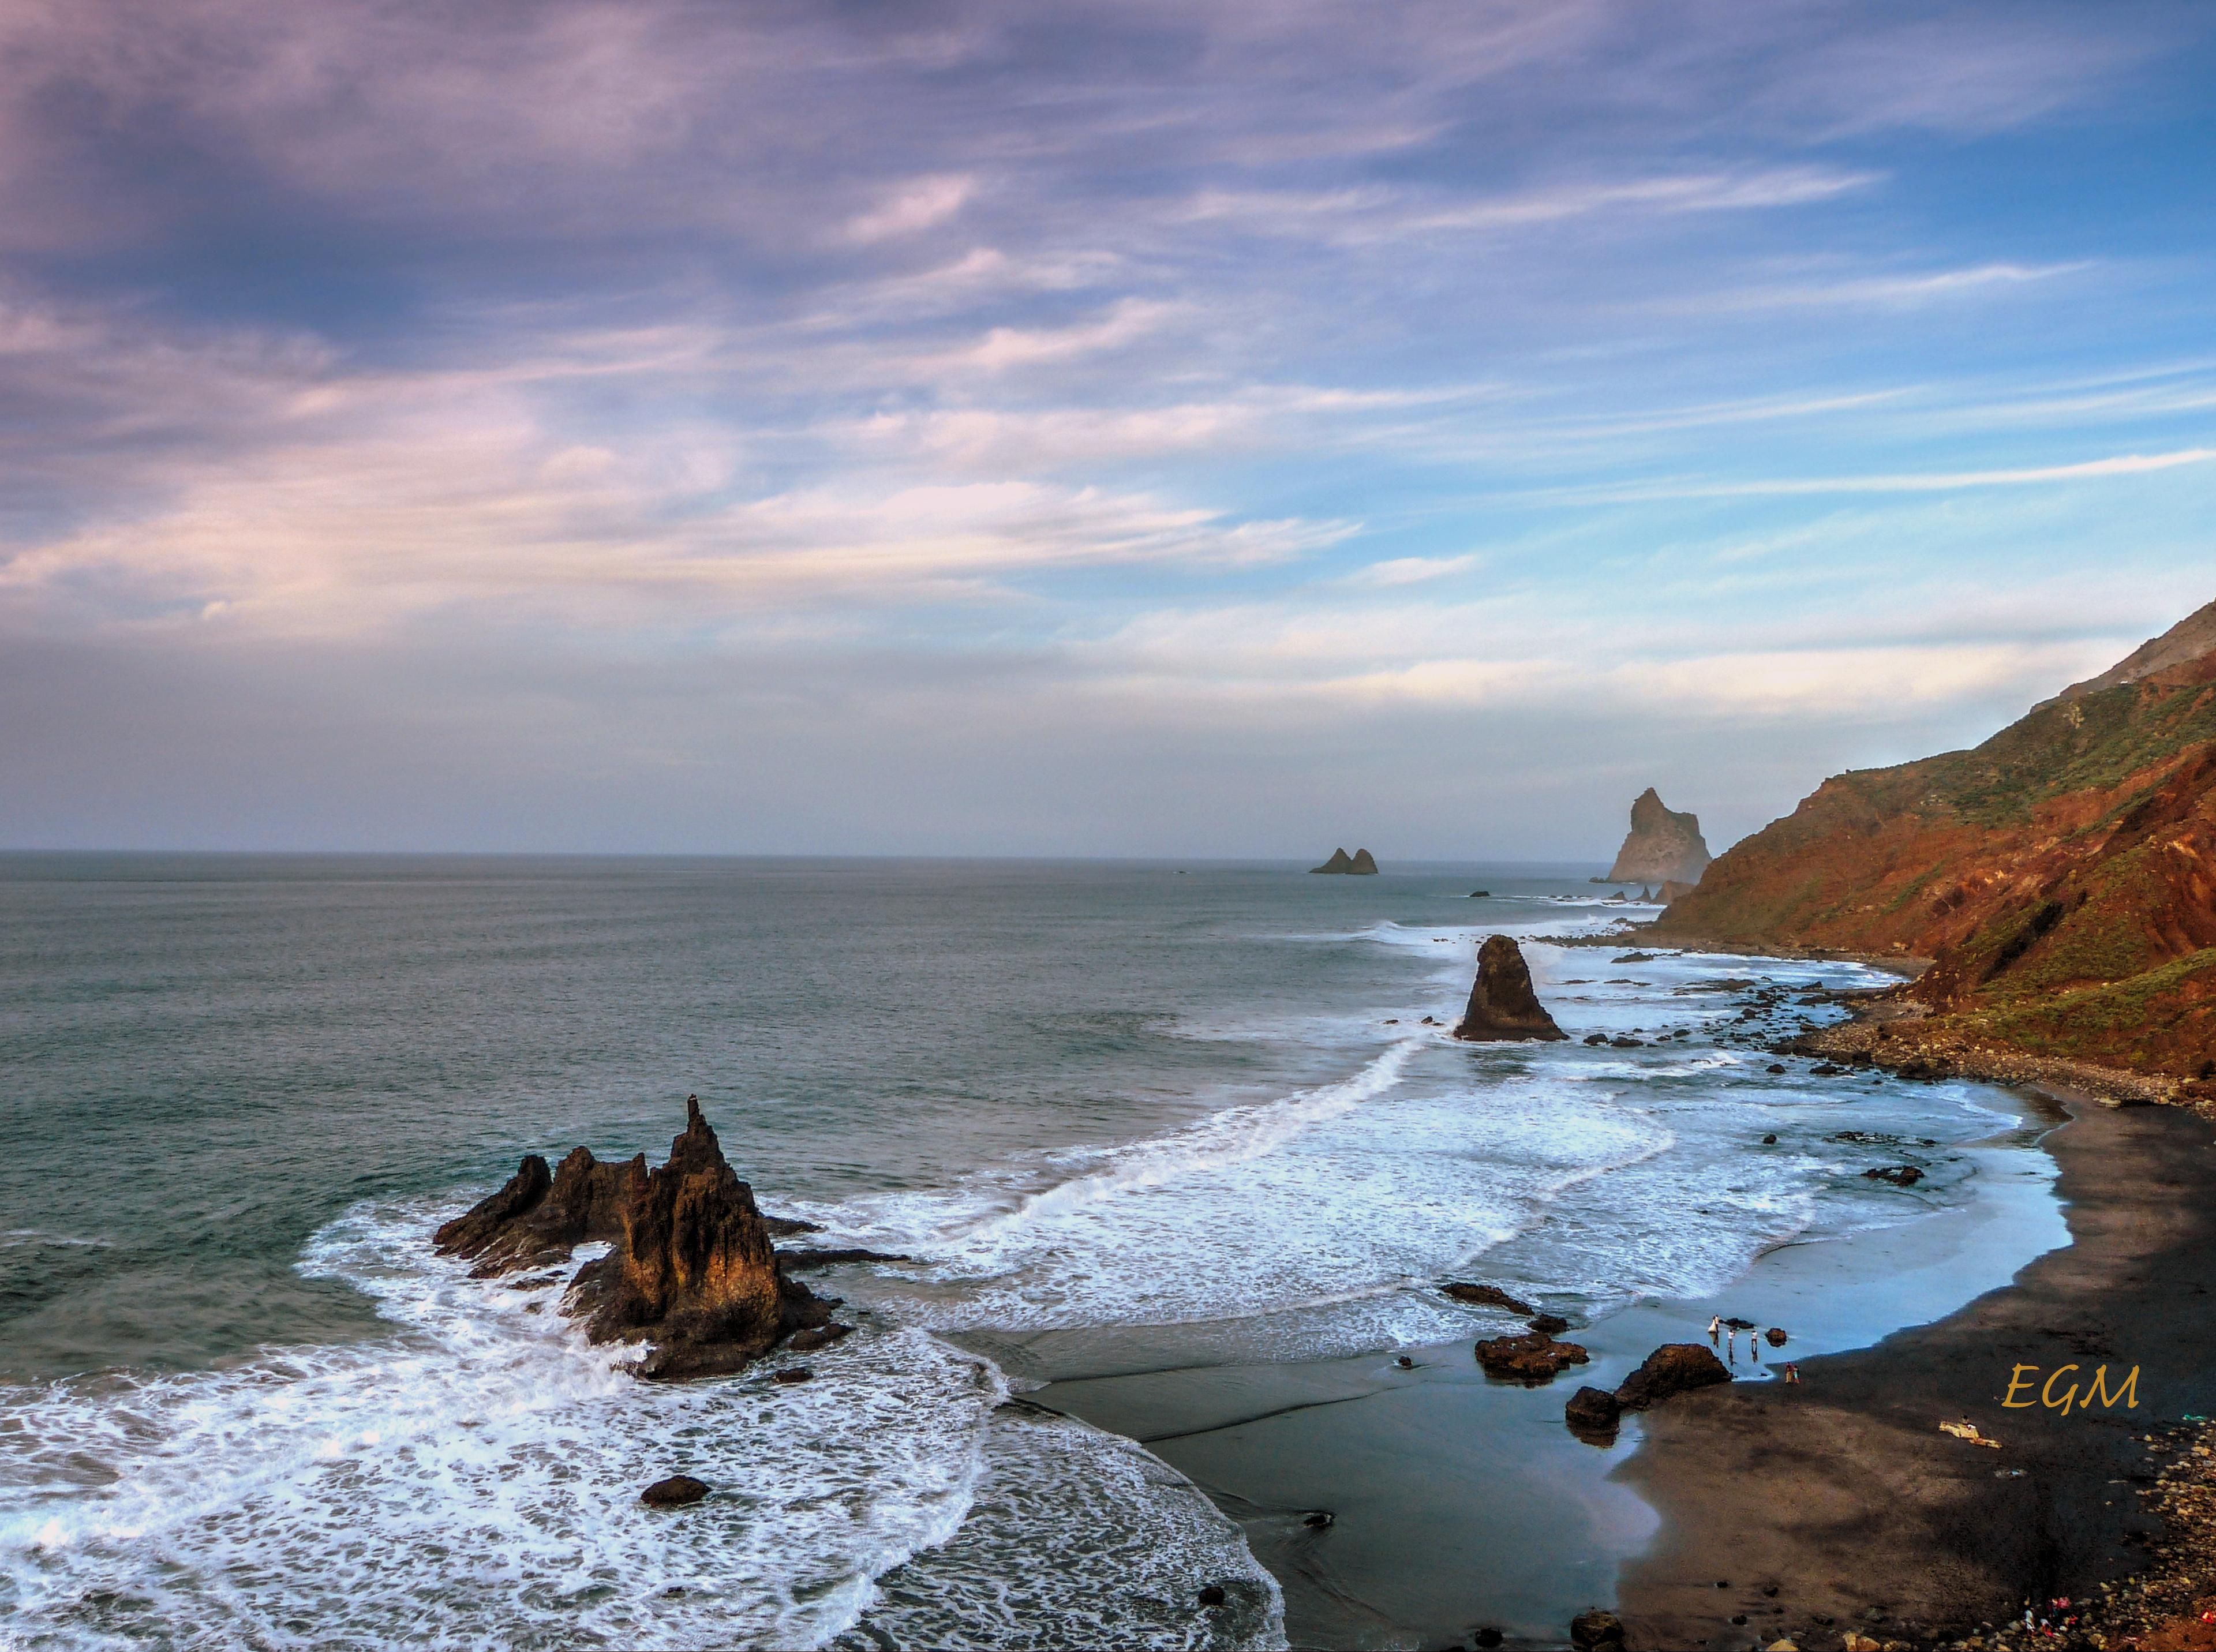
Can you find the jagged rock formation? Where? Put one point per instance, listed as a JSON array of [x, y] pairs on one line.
[[538, 1218], [1502, 1005], [1359, 863], [2061, 876], [1664, 846], [689, 1267]]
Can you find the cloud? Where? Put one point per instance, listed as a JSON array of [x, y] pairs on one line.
[[2127, 464], [911, 208]]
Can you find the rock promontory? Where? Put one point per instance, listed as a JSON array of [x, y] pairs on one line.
[[689, 1267], [1503, 1007], [1664, 846], [1359, 863]]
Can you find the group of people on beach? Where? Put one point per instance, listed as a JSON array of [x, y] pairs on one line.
[[1724, 1333]]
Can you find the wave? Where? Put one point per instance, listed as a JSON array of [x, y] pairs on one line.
[[474, 1479]]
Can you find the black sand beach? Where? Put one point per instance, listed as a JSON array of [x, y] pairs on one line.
[[1460, 1503]]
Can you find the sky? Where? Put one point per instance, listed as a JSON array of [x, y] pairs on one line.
[[1091, 429]]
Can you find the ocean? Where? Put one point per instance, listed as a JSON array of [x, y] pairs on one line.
[[243, 1404]]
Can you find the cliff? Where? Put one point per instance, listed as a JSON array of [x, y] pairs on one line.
[[1665, 846], [2061, 877]]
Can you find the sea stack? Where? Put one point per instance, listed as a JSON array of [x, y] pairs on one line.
[[1360, 863], [689, 1267], [1503, 1008], [1665, 846]]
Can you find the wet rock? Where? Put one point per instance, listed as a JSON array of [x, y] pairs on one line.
[[1771, 1140], [1488, 1637], [1485, 1296], [1596, 1631], [791, 1374], [1596, 1038], [676, 1492], [798, 1261], [1481, 894], [1901, 1176], [1502, 1005], [1624, 1043], [541, 1218], [1633, 958], [1405, 1363], [1673, 1368], [822, 1336], [784, 1227], [1825, 1069], [1593, 1410], [1531, 1358], [1318, 1520], [1775, 1336], [689, 1267], [1212, 1595], [1552, 1324], [1775, 1068]]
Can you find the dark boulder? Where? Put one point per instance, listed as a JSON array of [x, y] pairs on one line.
[[800, 1261], [808, 1342], [1592, 1411], [1502, 1005], [1552, 1324], [1596, 1631], [1484, 1296], [1673, 1368], [675, 1492], [1775, 1336], [1212, 1595], [1531, 1358], [1318, 1520], [1901, 1176], [792, 1375]]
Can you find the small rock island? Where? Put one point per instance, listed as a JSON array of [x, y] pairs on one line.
[[1503, 1008], [690, 1269], [1358, 863]]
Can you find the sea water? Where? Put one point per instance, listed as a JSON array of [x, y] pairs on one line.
[[242, 1403]]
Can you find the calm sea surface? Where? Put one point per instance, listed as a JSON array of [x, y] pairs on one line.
[[241, 1403]]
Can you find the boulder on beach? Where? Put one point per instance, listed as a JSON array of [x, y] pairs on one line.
[[675, 1492], [1596, 1631], [1531, 1358], [1664, 846], [1502, 1005], [1673, 1368], [1593, 1411], [690, 1269]]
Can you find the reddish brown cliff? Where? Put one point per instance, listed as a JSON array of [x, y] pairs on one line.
[[2061, 876]]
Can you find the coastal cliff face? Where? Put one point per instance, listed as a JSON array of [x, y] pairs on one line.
[[1664, 846], [2061, 876]]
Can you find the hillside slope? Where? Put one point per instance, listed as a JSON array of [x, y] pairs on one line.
[[2061, 876]]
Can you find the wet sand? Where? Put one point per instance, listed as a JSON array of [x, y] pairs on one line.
[[1842, 1494], [1460, 1503]]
